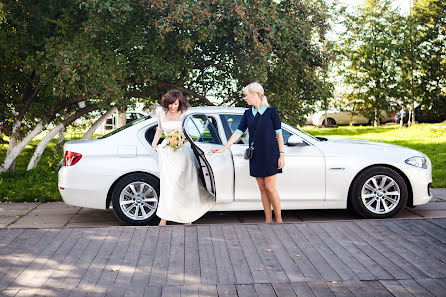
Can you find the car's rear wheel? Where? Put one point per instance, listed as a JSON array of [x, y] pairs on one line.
[[135, 199], [330, 121], [378, 192]]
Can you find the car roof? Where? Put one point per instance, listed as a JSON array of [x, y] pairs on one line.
[[216, 109]]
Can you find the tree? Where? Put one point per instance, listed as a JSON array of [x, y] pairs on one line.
[[111, 52], [48, 66], [369, 47], [429, 41]]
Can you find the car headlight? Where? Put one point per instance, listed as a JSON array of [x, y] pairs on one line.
[[419, 162]]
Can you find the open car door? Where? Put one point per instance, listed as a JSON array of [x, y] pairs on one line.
[[216, 171]]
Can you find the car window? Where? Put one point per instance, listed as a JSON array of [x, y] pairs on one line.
[[230, 123], [285, 135], [201, 129], [125, 127], [150, 134]]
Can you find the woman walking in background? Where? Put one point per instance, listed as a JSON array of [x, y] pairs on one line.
[[182, 197], [264, 126]]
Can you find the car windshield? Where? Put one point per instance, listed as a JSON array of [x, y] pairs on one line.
[[309, 135], [126, 126]]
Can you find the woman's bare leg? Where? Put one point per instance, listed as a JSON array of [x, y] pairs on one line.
[[162, 223], [265, 200], [273, 195]]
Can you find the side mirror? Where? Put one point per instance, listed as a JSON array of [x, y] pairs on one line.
[[295, 140]]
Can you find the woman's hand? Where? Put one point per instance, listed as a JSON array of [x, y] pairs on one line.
[[218, 150], [281, 162], [155, 147]]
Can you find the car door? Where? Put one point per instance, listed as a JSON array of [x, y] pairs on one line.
[[303, 177], [216, 171]]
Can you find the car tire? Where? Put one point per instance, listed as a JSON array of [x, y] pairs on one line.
[[378, 192], [330, 121], [135, 199]]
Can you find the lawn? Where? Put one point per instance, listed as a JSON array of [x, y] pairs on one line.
[[40, 184]]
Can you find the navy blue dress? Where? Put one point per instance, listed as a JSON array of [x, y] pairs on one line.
[[266, 149]]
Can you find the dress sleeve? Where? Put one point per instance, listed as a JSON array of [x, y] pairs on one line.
[[277, 124], [243, 125], [159, 114]]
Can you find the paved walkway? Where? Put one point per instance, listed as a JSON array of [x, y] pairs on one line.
[[60, 215], [394, 257], [44, 252]]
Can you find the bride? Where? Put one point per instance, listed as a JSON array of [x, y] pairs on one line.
[[182, 197]]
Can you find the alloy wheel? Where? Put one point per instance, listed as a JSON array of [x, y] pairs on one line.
[[380, 194], [138, 200]]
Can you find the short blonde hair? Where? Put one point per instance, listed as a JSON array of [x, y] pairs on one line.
[[256, 88]]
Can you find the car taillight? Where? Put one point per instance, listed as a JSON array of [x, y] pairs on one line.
[[71, 158]]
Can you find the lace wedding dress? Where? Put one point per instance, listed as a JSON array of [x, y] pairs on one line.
[[183, 198]]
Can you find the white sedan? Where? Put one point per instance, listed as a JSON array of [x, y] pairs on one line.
[[121, 168], [344, 118]]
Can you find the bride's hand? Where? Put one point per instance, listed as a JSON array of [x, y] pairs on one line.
[[155, 147]]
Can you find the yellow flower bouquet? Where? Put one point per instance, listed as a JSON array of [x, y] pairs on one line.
[[175, 139]]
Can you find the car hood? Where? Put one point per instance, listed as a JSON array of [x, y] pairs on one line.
[[369, 145], [360, 141]]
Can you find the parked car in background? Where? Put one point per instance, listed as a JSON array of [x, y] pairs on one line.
[[421, 116], [112, 122], [345, 118], [121, 169]]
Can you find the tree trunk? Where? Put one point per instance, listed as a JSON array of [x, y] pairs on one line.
[[376, 120], [42, 145], [413, 113], [122, 118], [326, 118], [401, 118], [409, 117], [13, 142], [51, 134], [61, 138], [15, 152], [27, 97], [95, 126]]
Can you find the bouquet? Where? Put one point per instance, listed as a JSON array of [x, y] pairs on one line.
[[175, 139]]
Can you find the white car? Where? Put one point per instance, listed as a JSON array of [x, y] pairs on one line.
[[344, 118], [121, 168]]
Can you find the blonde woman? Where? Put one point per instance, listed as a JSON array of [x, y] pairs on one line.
[[268, 158]]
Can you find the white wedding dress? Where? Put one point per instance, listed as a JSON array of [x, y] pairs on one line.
[[182, 199]]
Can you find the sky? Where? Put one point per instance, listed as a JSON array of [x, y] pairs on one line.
[[402, 4]]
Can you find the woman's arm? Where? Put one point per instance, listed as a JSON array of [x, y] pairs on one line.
[[156, 138], [281, 162], [235, 136]]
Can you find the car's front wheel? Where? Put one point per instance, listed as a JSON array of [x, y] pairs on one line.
[[135, 199], [378, 192]]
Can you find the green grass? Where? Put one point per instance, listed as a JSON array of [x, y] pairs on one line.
[[429, 139], [40, 184], [37, 185]]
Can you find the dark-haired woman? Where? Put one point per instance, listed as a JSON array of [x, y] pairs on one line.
[[182, 197]]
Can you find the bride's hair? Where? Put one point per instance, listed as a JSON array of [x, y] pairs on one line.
[[172, 96]]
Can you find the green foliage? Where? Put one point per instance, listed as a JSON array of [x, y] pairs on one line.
[[428, 36], [39, 184], [369, 47]]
